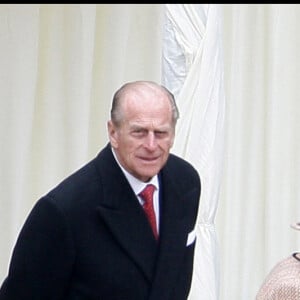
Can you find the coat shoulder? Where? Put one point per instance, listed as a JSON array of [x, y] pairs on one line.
[[183, 170]]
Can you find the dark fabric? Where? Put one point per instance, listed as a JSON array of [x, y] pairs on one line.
[[89, 238]]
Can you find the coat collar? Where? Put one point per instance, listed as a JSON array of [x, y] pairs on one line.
[[123, 214]]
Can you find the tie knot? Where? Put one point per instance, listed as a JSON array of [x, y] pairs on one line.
[[147, 192]]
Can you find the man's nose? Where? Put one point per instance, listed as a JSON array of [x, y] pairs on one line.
[[151, 142]]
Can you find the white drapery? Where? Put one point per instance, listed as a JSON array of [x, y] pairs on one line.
[[59, 65], [193, 71], [260, 190]]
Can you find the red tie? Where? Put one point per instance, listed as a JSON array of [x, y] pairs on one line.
[[147, 195]]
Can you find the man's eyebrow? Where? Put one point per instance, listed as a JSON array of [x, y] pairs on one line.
[[137, 126]]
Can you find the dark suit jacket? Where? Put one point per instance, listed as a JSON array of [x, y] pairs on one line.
[[89, 238]]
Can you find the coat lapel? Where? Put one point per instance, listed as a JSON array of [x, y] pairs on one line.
[[173, 233], [160, 262], [125, 217]]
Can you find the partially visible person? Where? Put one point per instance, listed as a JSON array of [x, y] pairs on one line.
[[283, 282], [89, 237]]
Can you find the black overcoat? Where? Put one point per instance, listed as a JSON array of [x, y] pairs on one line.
[[89, 239]]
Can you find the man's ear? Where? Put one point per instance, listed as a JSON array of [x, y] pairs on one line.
[[112, 134]]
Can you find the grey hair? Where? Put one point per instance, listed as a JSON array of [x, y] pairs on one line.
[[116, 113]]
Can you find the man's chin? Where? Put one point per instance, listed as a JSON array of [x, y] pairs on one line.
[[147, 176]]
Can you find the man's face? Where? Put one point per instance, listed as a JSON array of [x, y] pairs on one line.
[[143, 140]]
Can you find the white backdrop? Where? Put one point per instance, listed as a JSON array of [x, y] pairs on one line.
[[260, 184], [60, 65], [193, 70]]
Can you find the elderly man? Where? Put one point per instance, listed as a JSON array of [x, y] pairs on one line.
[[90, 237]]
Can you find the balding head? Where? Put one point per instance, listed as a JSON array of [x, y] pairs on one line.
[[141, 89]]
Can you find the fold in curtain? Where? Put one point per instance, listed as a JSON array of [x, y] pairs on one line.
[[193, 71]]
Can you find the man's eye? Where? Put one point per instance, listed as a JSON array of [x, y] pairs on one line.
[[161, 134], [138, 132]]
